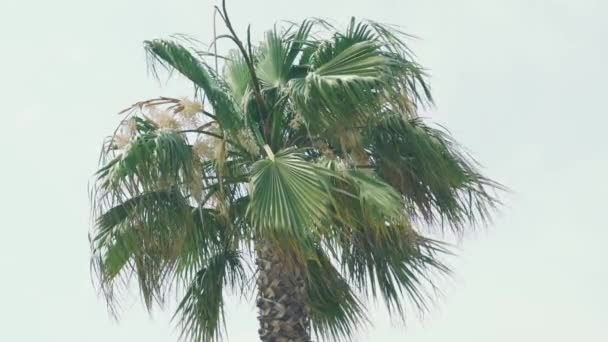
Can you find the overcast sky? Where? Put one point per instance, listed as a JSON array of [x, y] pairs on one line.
[[522, 83]]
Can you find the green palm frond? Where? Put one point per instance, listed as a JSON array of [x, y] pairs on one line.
[[200, 313], [392, 263], [173, 56], [336, 312], [353, 77], [278, 54], [153, 160], [142, 236], [348, 61], [155, 236], [236, 74], [379, 250], [432, 172], [409, 78], [165, 207], [287, 194], [361, 199], [273, 66], [374, 194], [207, 237], [342, 84]]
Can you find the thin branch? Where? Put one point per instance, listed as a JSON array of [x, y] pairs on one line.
[[204, 54], [214, 39], [210, 115], [206, 125], [201, 132], [256, 84]]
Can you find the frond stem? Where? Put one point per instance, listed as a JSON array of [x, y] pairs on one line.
[[248, 59], [201, 132]]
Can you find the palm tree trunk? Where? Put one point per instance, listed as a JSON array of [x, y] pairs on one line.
[[283, 314]]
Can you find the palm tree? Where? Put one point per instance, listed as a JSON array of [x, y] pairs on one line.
[[302, 167]]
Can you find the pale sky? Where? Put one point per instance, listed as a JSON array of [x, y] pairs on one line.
[[521, 83]]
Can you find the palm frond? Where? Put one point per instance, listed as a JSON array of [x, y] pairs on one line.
[[208, 236], [238, 79], [144, 236], [354, 76], [174, 56], [394, 263], [432, 172], [407, 85], [200, 313], [153, 160], [335, 311], [278, 54], [273, 66], [342, 85], [374, 194], [287, 194], [361, 199], [379, 250]]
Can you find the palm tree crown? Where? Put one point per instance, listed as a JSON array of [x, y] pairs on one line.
[[306, 147]]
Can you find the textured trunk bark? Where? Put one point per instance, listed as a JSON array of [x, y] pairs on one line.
[[283, 314]]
